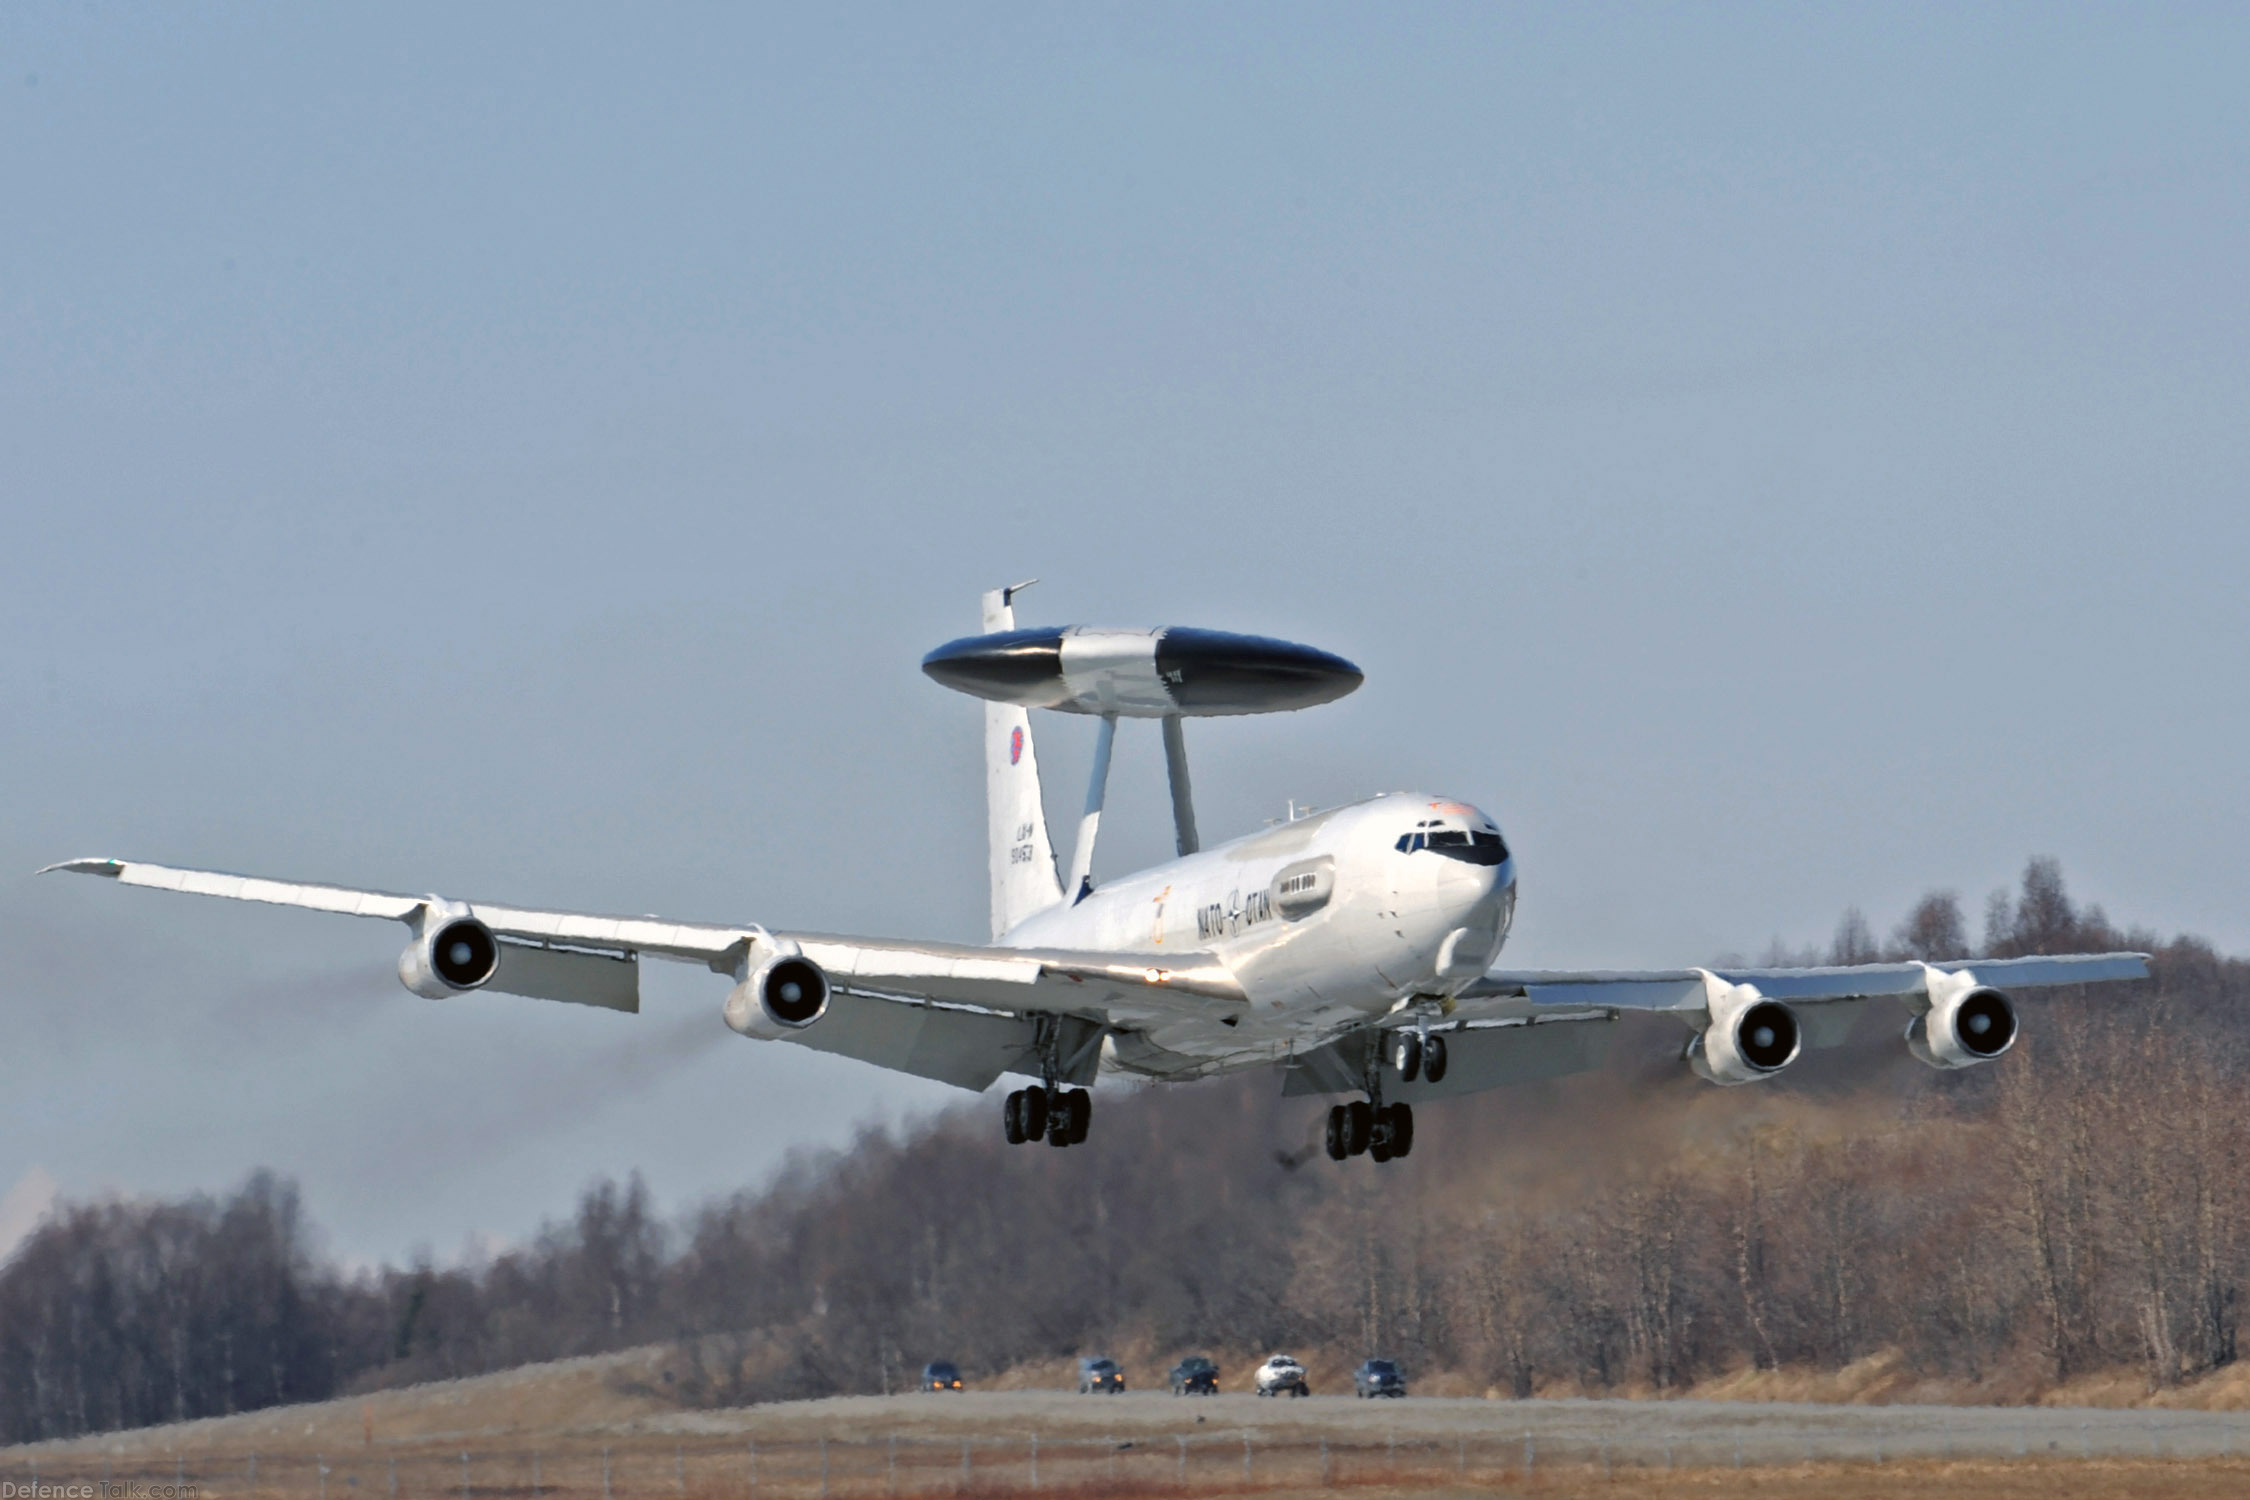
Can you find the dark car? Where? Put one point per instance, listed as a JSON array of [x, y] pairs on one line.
[[940, 1375], [1099, 1375], [1195, 1376], [1377, 1377]]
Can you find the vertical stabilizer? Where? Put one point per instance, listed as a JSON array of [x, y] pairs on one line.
[[1023, 861]]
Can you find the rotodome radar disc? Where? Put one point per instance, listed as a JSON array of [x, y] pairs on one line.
[[1151, 674]]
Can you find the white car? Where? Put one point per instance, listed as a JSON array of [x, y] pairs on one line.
[[1281, 1375]]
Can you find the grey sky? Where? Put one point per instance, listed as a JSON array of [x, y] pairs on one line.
[[1774, 459]]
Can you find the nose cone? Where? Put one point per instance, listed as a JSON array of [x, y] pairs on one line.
[[1215, 672], [1015, 666]]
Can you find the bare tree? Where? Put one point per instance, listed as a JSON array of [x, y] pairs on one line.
[[1854, 942], [1933, 929]]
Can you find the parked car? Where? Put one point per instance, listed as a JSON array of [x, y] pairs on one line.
[[1100, 1375], [1377, 1377], [1280, 1374], [1195, 1376], [940, 1375]]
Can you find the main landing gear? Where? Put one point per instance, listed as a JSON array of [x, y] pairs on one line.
[[1371, 1127], [1046, 1108], [1383, 1131], [1061, 1115]]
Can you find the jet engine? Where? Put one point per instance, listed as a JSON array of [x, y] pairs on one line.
[[1749, 1037], [783, 993], [452, 953], [1967, 1023]]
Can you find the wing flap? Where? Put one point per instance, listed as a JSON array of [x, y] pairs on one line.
[[611, 981], [1479, 1056], [966, 1048]]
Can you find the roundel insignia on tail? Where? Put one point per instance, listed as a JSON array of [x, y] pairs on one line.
[[1015, 745]]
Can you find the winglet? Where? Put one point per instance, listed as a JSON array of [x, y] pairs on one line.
[[110, 867]]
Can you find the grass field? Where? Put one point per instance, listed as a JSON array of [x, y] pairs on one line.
[[603, 1430]]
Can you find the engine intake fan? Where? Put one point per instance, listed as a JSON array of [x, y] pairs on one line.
[[783, 992], [1748, 1038], [452, 953], [1967, 1022]]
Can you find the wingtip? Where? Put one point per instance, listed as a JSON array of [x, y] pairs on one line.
[[110, 867]]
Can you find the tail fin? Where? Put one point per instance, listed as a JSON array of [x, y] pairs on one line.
[[1023, 861]]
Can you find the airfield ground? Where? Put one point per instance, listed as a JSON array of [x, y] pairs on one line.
[[603, 1429]]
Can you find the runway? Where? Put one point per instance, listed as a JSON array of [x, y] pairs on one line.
[[1698, 1432]]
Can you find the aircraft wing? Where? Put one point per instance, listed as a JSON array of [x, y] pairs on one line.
[[1533, 994], [1513, 1026], [950, 1011]]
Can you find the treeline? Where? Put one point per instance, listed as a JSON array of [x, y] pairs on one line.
[[2080, 1207]]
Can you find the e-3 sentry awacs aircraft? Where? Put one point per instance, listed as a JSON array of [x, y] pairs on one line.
[[1354, 949]]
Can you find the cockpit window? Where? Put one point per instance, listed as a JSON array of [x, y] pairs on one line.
[[1481, 846]]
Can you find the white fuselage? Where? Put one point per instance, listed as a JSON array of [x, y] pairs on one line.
[[1325, 921]]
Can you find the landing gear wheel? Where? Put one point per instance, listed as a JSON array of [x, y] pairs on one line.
[[1339, 1138], [1011, 1118], [1081, 1111], [1359, 1118], [1058, 1120], [1433, 1060], [1379, 1147], [1406, 1055], [1402, 1130], [1034, 1112]]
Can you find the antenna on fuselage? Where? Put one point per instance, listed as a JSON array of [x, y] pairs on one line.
[[1171, 674]]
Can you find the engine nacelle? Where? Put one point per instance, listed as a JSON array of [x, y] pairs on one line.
[[783, 992], [1749, 1037], [452, 953], [1967, 1023]]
